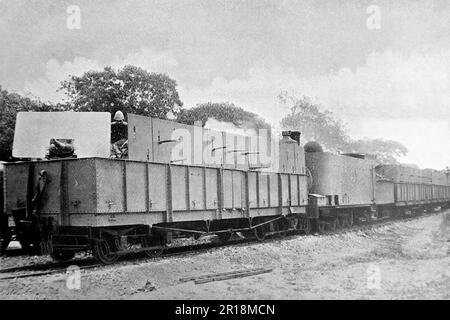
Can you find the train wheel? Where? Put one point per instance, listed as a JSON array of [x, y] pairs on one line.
[[349, 220], [260, 233], [62, 255], [333, 224], [248, 234], [152, 253], [224, 237], [4, 244], [304, 224], [197, 236], [307, 226], [283, 226], [341, 222], [321, 226], [102, 251], [32, 248]]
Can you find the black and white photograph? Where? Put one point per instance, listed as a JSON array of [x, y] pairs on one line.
[[224, 155]]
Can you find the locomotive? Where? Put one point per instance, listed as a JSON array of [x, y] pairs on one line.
[[180, 180]]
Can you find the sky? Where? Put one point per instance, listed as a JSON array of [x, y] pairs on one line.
[[381, 66]]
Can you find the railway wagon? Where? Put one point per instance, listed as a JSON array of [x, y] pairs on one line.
[[347, 186], [440, 186], [415, 189], [351, 187], [114, 206]]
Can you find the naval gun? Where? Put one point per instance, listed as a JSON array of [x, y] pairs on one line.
[[61, 148]]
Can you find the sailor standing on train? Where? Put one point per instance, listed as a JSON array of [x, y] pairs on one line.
[[119, 135]]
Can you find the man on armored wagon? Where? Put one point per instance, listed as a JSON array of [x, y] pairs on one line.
[[119, 136]]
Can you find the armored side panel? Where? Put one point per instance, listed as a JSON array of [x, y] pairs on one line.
[[140, 138], [136, 186], [263, 188], [70, 187], [196, 188], [172, 142], [241, 154], [289, 156], [233, 189], [412, 185], [303, 190], [252, 189], [211, 178], [402, 174], [230, 151], [294, 194], [427, 175], [110, 186], [284, 181], [439, 178], [253, 151], [268, 153], [179, 188], [51, 197], [390, 172], [384, 191], [239, 195], [214, 151], [274, 184], [165, 141], [81, 186], [157, 182], [16, 186], [439, 181], [90, 132], [343, 180]]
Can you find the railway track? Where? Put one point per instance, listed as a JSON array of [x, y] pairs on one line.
[[50, 268]]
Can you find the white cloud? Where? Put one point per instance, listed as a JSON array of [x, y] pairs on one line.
[[148, 60], [405, 93], [389, 84], [426, 139], [46, 87]]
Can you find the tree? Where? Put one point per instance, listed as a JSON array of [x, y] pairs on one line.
[[314, 124], [322, 127], [224, 111], [131, 90], [386, 150], [10, 104]]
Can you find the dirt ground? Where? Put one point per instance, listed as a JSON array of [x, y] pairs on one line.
[[403, 260]]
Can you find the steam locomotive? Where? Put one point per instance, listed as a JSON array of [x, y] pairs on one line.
[[180, 180]]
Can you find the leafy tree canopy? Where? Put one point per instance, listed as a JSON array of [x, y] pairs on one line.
[[224, 111], [131, 90], [386, 150], [314, 124], [320, 125]]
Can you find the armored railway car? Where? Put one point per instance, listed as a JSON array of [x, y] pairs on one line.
[[110, 205], [349, 187]]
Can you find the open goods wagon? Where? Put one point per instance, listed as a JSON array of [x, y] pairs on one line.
[[111, 205]]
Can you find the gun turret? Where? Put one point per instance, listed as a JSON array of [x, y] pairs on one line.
[[61, 148]]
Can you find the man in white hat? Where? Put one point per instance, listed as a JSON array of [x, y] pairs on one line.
[[119, 135]]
